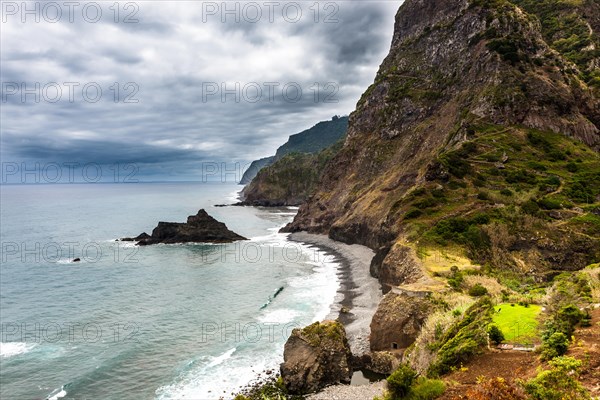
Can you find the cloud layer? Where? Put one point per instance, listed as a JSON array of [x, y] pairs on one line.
[[162, 78]]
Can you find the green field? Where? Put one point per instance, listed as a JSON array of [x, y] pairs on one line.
[[519, 324]]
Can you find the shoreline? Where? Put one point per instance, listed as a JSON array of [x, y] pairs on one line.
[[359, 293]]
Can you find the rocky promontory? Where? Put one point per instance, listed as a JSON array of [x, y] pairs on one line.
[[315, 357], [201, 228]]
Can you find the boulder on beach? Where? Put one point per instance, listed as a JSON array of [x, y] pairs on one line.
[[201, 228], [315, 357]]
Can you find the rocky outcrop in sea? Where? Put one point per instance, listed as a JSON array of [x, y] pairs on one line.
[[200, 228]]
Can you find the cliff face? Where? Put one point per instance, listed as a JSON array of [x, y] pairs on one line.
[[451, 122], [310, 141], [254, 168], [290, 181]]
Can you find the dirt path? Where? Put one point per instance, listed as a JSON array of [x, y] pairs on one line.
[[509, 365], [587, 349]]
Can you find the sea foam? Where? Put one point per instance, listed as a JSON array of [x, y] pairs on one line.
[[11, 349]]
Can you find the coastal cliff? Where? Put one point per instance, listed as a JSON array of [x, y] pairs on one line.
[[290, 181], [477, 134], [310, 141], [472, 169]]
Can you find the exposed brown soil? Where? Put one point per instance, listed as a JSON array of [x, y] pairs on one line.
[[587, 348], [510, 365]]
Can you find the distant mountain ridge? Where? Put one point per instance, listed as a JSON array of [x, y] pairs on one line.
[[312, 140]]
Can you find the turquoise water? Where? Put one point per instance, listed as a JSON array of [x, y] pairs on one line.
[[187, 321]]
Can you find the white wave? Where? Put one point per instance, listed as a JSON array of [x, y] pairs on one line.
[[274, 237], [60, 393], [218, 378], [319, 288], [65, 261], [281, 316], [10, 349], [220, 359], [235, 196], [126, 244]]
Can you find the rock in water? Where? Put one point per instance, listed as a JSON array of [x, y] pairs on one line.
[[200, 228], [316, 356]]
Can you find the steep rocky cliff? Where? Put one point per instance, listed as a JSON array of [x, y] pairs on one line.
[[477, 135], [254, 168], [290, 181]]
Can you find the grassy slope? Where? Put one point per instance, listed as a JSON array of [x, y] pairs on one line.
[[519, 324], [485, 209]]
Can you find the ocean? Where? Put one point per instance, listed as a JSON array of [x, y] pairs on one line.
[[192, 321]]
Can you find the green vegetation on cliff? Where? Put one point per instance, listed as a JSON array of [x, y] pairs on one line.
[[315, 139], [463, 339], [473, 168], [503, 186], [310, 141], [567, 27], [290, 180]]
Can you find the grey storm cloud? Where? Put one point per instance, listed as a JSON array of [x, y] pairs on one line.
[[158, 105]]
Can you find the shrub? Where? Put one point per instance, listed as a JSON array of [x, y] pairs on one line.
[[548, 203], [556, 155], [426, 389], [530, 207], [495, 389], [537, 139], [553, 180], [400, 381], [478, 290], [572, 167], [413, 213], [520, 176], [563, 321], [463, 339], [556, 345], [456, 280], [571, 314], [483, 196], [270, 389], [427, 202], [506, 192], [537, 166], [495, 334], [558, 383]]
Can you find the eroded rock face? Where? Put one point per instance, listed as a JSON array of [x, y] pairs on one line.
[[398, 321], [315, 357], [441, 75], [201, 228], [400, 266], [382, 362]]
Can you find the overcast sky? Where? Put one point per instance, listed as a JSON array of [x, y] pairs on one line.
[[162, 67]]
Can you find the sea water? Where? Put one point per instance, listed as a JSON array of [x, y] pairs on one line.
[[187, 321]]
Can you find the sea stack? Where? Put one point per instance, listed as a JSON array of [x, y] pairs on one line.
[[201, 228]]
